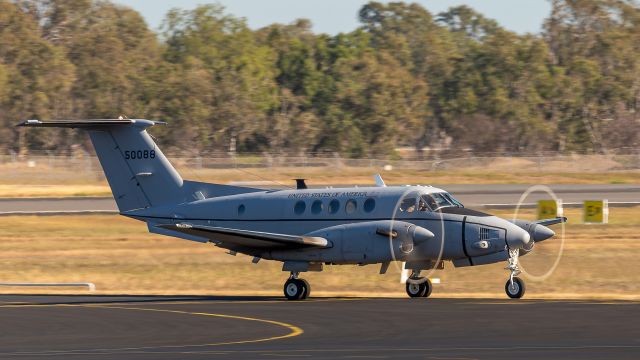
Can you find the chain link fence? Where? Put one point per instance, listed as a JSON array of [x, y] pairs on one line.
[[40, 167]]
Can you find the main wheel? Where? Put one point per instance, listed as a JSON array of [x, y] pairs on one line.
[[417, 289], [295, 289], [517, 290], [428, 288], [307, 293]]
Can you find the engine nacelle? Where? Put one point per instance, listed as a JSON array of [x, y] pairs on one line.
[[482, 239], [363, 243]]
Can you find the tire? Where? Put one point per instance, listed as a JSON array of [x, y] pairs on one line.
[[307, 291], [295, 289], [428, 288], [415, 290], [518, 288]]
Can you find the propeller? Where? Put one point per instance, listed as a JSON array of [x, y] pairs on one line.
[[409, 203], [540, 232]]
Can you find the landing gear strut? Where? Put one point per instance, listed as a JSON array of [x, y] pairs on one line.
[[418, 286], [296, 289], [515, 286]]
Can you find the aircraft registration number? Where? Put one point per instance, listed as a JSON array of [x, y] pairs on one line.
[[139, 154]]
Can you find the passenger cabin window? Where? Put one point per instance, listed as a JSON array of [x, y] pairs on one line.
[[334, 206], [351, 206], [369, 205], [300, 207], [241, 209], [316, 207]]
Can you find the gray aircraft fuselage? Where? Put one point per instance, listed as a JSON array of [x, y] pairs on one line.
[[350, 219], [304, 228]]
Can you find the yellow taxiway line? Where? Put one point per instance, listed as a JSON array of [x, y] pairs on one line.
[[292, 329]]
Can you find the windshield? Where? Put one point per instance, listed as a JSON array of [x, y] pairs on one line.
[[453, 200]]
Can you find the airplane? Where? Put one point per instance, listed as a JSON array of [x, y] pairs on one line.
[[305, 228]]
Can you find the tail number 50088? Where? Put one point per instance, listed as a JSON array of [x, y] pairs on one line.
[[139, 154]]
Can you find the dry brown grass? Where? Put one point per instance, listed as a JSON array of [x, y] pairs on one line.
[[119, 256], [58, 183], [21, 191]]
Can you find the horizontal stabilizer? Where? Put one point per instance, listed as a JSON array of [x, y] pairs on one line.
[[94, 123], [232, 238]]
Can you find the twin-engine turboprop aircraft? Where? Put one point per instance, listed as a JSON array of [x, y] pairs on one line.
[[306, 229]]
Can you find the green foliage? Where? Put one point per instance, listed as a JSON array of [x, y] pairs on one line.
[[223, 85], [405, 78]]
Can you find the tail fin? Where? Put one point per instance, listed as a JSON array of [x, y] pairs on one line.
[[139, 174]]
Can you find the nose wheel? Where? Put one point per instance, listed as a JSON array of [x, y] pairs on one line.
[[296, 289], [514, 286]]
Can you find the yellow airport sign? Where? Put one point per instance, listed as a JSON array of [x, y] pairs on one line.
[[595, 212], [549, 209]]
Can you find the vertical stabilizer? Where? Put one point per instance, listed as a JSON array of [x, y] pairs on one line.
[[139, 174]]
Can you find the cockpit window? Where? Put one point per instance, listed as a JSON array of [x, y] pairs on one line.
[[408, 203], [437, 201], [441, 200], [426, 203]]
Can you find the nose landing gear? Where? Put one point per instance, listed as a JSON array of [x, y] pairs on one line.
[[515, 286], [295, 288]]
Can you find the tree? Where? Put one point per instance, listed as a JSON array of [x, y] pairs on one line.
[[410, 33], [35, 78], [240, 71], [596, 42], [450, 82]]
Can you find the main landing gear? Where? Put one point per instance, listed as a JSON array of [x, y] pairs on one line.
[[515, 286], [296, 289], [418, 286]]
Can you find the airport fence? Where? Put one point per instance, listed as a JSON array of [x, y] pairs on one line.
[[84, 167]]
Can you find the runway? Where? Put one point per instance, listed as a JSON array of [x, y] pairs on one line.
[[197, 327], [474, 196]]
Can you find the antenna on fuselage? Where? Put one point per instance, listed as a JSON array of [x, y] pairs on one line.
[[300, 184], [379, 181]]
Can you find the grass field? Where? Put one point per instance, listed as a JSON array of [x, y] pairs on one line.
[[119, 256]]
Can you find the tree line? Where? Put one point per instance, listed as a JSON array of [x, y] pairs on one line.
[[448, 82]]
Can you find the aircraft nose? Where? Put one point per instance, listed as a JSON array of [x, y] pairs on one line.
[[518, 238], [541, 233]]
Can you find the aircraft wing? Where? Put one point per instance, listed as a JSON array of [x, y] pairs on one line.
[[244, 240], [547, 222]]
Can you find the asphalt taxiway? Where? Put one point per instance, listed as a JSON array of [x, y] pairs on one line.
[[200, 327]]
